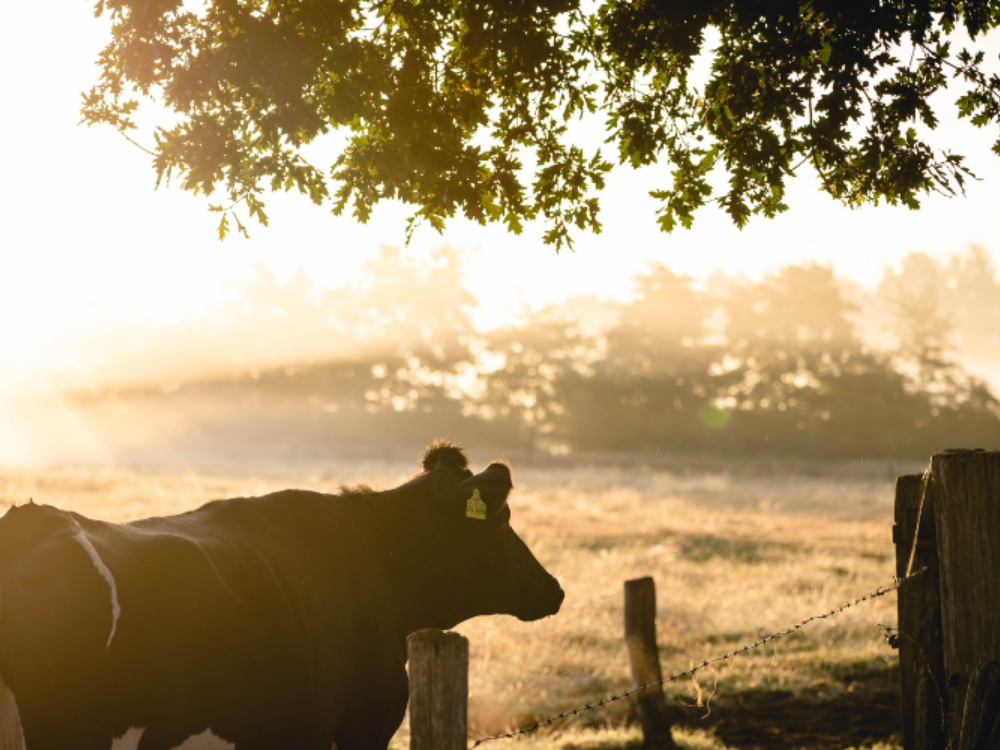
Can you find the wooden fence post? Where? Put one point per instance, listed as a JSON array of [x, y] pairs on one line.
[[640, 637], [921, 658], [981, 716], [967, 516], [439, 690]]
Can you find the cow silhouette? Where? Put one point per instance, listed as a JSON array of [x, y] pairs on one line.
[[272, 622]]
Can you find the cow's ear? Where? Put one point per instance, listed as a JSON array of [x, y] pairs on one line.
[[444, 454], [485, 494]]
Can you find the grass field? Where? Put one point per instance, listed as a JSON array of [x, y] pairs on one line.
[[737, 551]]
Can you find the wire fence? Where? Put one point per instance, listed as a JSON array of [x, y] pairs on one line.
[[882, 591]]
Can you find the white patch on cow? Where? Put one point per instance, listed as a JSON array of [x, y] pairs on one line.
[[11, 732], [207, 740], [129, 740], [95, 558]]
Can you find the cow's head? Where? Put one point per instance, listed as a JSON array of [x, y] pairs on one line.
[[467, 559]]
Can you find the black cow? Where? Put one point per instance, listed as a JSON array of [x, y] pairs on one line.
[[251, 623]]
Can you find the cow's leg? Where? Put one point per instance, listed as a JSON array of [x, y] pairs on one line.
[[373, 715]]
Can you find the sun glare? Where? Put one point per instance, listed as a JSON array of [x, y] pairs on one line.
[[105, 281]]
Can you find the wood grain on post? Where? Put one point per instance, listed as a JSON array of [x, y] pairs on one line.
[[981, 716], [967, 516], [921, 656], [439, 690], [640, 637]]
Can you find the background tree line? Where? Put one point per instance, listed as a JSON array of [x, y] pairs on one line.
[[798, 363]]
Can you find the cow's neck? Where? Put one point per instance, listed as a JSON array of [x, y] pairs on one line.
[[404, 545]]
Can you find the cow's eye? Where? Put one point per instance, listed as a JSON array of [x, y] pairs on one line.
[[502, 517]]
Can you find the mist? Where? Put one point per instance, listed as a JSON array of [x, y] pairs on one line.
[[799, 363]]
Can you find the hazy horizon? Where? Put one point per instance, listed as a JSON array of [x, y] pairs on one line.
[[223, 339], [276, 354]]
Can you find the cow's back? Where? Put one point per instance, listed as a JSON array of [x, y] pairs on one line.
[[248, 617]]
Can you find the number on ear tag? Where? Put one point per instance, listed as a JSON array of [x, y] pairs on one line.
[[475, 507]]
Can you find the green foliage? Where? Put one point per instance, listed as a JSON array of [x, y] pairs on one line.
[[464, 106]]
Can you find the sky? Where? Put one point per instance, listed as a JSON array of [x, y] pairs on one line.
[[86, 241]]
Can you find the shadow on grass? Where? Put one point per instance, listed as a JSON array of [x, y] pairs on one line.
[[698, 548], [705, 547], [862, 711], [865, 712]]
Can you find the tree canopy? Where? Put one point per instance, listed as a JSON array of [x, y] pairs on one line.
[[466, 107]]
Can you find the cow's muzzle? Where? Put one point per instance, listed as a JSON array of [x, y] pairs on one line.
[[545, 601]]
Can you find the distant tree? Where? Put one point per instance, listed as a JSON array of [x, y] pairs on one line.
[[925, 335], [653, 383], [972, 296], [785, 331], [411, 318], [416, 308], [926, 350], [961, 292], [790, 343], [810, 386], [529, 383], [462, 106], [660, 326], [916, 271]]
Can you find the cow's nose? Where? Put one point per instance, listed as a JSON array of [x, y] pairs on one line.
[[558, 595]]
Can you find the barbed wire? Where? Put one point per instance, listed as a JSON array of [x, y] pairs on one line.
[[881, 591]]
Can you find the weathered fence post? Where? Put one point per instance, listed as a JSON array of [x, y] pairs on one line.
[[921, 659], [967, 517], [640, 637], [981, 716], [439, 690]]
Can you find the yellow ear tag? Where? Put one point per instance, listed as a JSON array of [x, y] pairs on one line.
[[475, 507]]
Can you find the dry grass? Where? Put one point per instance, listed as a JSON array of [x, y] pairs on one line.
[[734, 553]]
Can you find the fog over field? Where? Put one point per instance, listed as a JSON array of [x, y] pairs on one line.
[[801, 362]]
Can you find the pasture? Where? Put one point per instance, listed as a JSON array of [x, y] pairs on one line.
[[738, 549]]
